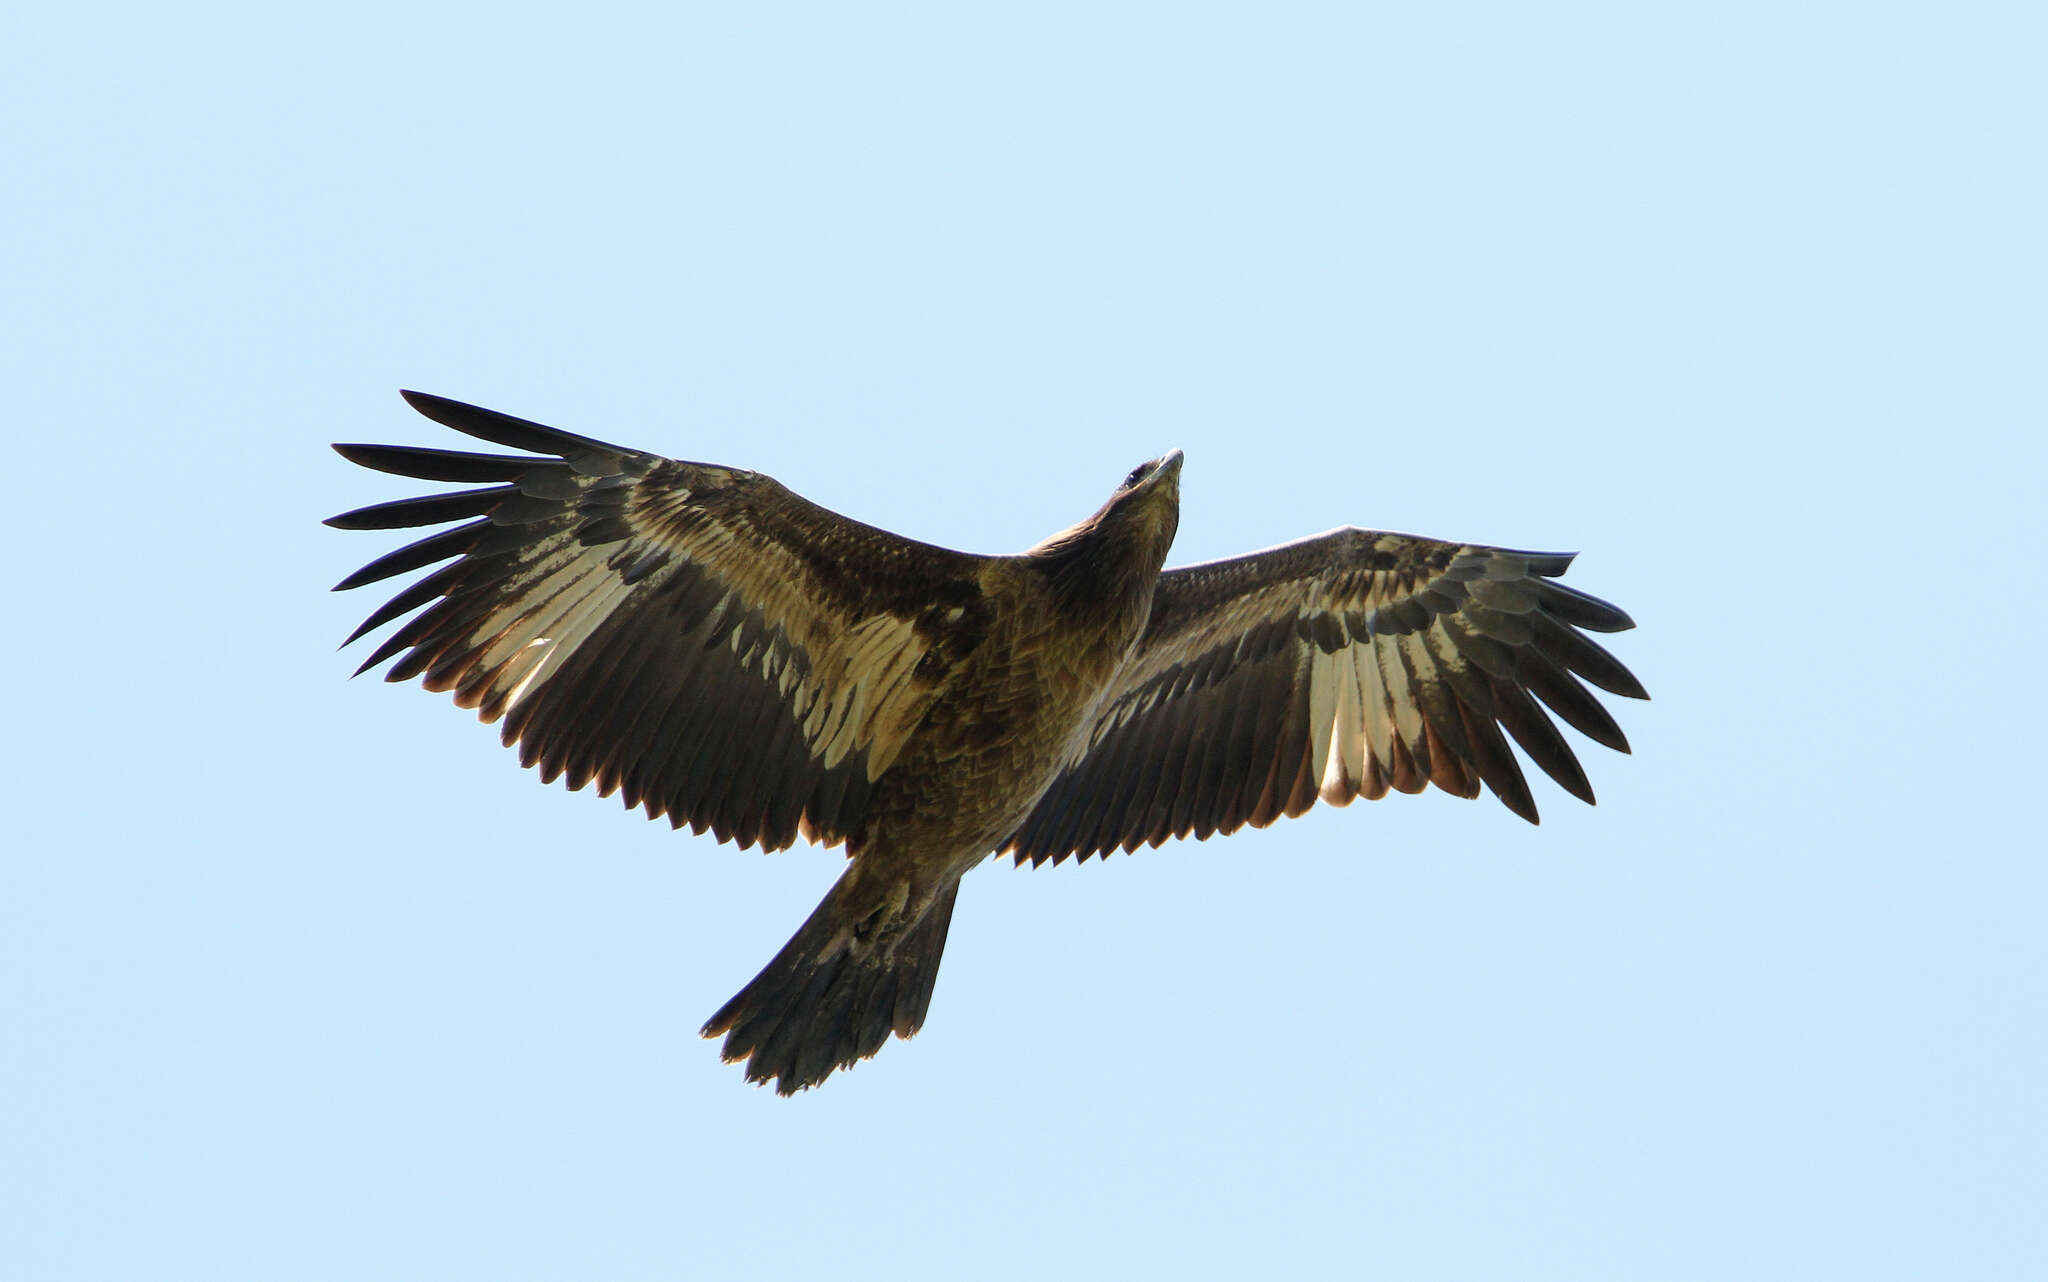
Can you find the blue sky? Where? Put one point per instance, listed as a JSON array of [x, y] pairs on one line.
[[1741, 301]]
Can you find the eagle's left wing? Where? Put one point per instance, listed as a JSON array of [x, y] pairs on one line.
[[696, 638], [1335, 667]]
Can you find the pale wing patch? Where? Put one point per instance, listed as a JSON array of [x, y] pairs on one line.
[[1322, 708], [875, 661], [1376, 700], [572, 605], [1345, 768]]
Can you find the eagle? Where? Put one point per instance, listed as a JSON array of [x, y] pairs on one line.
[[719, 651]]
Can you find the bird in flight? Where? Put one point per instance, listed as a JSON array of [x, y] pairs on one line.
[[717, 650]]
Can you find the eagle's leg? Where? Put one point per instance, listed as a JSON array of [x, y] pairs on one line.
[[853, 973]]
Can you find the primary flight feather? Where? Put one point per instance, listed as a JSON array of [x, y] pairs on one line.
[[720, 651]]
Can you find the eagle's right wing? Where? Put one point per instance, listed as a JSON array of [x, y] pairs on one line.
[[699, 639], [1335, 667]]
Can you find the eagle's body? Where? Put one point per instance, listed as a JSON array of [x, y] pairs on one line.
[[721, 651], [1039, 651]]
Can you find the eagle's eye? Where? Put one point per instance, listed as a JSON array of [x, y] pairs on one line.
[[1137, 475]]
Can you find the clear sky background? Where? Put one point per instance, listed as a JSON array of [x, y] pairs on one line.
[[305, 979]]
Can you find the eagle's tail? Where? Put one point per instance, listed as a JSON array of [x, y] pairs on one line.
[[837, 989]]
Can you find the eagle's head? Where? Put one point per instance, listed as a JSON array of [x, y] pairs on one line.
[[1118, 551], [1147, 504]]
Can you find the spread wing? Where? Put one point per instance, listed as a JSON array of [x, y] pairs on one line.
[[1336, 667], [698, 639]]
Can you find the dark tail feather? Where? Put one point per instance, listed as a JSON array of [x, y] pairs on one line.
[[833, 994]]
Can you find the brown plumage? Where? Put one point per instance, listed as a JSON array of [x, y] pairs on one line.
[[717, 650]]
